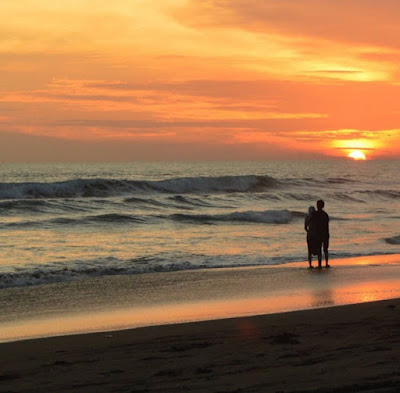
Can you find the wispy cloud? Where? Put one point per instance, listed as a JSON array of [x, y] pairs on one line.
[[366, 22], [250, 74]]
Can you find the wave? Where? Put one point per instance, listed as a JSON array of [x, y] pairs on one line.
[[300, 197], [346, 198], [176, 201], [111, 266], [41, 206], [311, 181], [23, 205], [393, 240], [339, 180], [146, 202], [82, 270], [111, 218], [387, 194], [267, 217], [189, 201], [86, 188]]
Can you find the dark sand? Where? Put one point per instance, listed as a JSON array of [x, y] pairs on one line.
[[354, 348]]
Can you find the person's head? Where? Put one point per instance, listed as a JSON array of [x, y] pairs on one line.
[[311, 210], [320, 204]]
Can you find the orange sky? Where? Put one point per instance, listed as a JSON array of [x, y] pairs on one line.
[[126, 80]]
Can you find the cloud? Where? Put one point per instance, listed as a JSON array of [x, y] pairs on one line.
[[203, 110], [240, 73], [28, 148], [366, 22], [294, 38]]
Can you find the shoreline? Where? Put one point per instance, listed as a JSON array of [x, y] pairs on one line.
[[349, 348], [182, 297]]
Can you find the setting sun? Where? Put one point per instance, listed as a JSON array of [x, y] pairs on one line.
[[207, 80], [357, 155]]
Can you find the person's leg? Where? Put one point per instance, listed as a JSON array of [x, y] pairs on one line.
[[326, 253], [319, 252], [309, 248]]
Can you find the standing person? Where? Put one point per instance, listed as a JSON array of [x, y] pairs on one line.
[[321, 221], [313, 245]]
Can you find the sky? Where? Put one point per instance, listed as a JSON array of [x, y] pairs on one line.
[[126, 80]]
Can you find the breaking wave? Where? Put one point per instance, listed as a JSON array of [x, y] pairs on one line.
[[86, 188]]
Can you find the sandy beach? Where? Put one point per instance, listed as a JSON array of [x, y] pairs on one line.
[[340, 349], [329, 346]]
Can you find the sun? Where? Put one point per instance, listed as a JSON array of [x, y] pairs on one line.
[[357, 155]]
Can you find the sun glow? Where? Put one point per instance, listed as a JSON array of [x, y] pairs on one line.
[[356, 149], [357, 155]]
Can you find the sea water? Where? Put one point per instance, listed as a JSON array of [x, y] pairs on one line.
[[70, 222]]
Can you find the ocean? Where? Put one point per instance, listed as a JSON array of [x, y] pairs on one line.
[[72, 222]]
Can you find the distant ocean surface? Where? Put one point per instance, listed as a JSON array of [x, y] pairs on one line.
[[63, 222]]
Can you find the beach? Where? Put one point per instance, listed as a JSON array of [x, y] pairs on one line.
[[215, 340], [340, 349]]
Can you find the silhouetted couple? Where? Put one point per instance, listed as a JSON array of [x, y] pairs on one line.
[[317, 226]]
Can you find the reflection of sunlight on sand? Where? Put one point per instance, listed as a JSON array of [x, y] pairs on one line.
[[364, 260], [202, 310], [322, 298]]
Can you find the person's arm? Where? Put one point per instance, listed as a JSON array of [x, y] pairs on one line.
[[327, 223]]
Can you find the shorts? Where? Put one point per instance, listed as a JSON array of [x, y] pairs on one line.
[[325, 244]]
